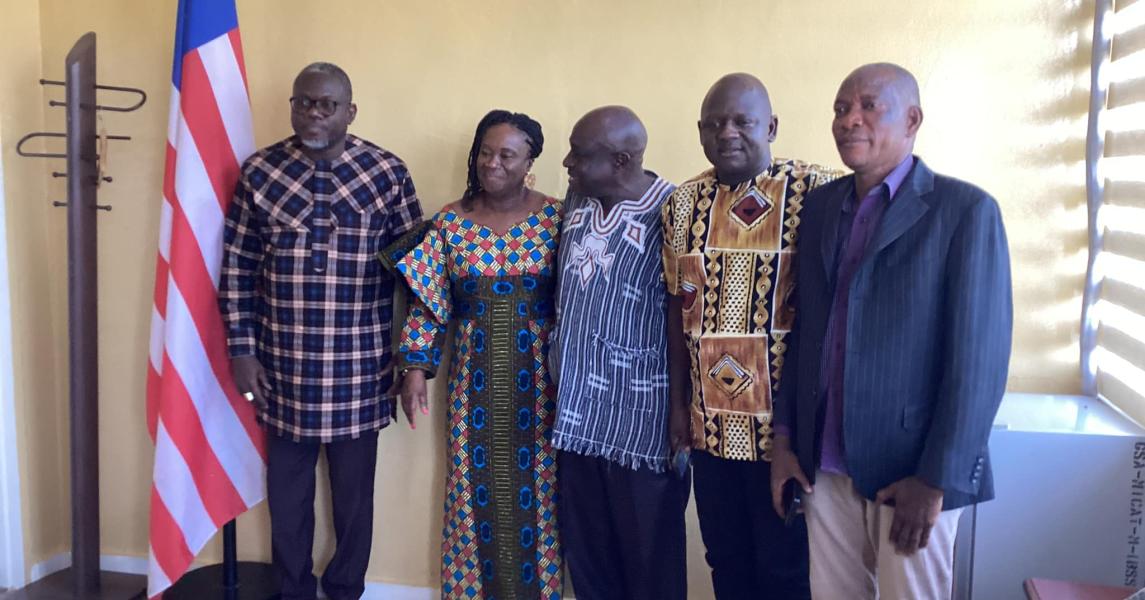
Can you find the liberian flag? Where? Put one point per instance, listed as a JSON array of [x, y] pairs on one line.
[[210, 455]]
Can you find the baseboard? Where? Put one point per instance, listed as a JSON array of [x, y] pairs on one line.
[[133, 565], [137, 565], [42, 569]]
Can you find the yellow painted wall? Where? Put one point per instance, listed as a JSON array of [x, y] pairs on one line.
[[1004, 91], [35, 252]]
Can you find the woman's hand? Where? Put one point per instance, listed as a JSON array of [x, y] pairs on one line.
[[413, 395]]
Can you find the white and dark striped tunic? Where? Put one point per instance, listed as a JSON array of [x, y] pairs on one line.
[[610, 349]]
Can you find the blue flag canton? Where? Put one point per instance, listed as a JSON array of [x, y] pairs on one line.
[[200, 21]]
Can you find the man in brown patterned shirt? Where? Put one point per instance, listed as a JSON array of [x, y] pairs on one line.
[[729, 241], [307, 309]]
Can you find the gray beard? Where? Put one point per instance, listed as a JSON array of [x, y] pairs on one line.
[[319, 144]]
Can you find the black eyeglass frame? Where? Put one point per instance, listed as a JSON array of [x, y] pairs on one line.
[[303, 104]]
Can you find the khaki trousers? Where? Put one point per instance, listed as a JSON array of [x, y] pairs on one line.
[[852, 557]]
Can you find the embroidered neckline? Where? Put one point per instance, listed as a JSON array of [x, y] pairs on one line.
[[605, 225]]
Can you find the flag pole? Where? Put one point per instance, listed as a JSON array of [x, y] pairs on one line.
[[230, 561], [230, 580]]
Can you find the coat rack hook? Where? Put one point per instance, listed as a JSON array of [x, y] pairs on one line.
[[125, 90], [110, 88], [39, 134]]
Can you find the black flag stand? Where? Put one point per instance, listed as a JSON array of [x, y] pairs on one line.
[[231, 580]]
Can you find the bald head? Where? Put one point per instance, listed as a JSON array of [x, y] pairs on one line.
[[734, 86], [737, 127], [606, 153], [895, 79], [616, 128]]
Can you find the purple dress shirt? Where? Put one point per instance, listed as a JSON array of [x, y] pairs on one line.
[[856, 228]]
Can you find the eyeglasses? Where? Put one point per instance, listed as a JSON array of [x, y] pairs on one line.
[[302, 105]]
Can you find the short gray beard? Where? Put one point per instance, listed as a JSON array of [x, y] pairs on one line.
[[319, 144]]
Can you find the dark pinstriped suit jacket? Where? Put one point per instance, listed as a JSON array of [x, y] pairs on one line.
[[928, 337]]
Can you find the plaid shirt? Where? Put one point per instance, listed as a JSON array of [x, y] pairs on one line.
[[302, 288]]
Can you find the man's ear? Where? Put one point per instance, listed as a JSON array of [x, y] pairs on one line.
[[913, 120]]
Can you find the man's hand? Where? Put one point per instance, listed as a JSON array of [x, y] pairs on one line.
[[414, 395], [679, 377], [679, 426], [250, 378], [784, 466], [916, 505]]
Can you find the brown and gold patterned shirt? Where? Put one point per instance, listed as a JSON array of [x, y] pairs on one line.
[[728, 253]]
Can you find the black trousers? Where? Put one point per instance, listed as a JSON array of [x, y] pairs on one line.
[[622, 530], [290, 495], [752, 554]]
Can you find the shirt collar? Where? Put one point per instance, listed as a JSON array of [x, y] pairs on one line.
[[656, 179], [352, 146], [890, 185], [653, 188], [746, 184]]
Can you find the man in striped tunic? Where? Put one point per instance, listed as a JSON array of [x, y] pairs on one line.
[[622, 507]]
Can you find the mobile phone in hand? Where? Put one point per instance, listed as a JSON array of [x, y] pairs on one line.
[[792, 501], [681, 460]]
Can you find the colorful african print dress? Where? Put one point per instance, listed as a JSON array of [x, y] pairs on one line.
[[500, 535]]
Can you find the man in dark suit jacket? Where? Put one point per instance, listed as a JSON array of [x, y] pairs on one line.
[[898, 358]]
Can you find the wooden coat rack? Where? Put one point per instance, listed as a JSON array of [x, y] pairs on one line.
[[84, 579]]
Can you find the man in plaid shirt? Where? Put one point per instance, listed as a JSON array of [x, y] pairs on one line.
[[307, 307]]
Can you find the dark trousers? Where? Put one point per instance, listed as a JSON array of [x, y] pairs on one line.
[[290, 495], [622, 530], [752, 554]]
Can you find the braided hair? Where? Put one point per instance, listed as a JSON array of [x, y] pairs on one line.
[[522, 123]]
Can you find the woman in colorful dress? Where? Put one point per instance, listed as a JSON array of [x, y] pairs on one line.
[[486, 263]]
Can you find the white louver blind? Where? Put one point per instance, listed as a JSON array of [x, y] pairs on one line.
[[1118, 359]]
